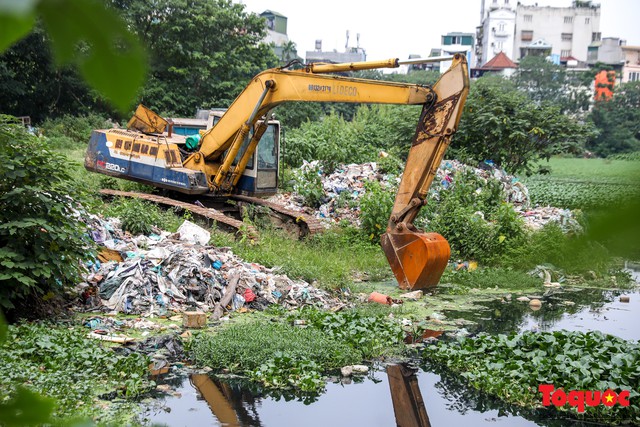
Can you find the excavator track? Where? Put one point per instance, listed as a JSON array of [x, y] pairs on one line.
[[204, 212], [307, 224]]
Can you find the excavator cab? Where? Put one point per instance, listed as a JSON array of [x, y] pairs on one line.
[[260, 177]]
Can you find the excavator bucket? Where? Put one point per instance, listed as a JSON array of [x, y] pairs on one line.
[[417, 259]]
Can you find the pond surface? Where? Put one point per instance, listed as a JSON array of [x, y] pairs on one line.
[[441, 400]]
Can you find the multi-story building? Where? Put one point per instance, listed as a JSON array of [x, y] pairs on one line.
[[519, 29], [496, 31], [568, 30], [277, 36], [453, 43], [631, 67], [607, 51]]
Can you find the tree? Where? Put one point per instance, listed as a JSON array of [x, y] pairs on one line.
[[618, 122], [544, 81], [289, 52], [502, 124], [203, 53]]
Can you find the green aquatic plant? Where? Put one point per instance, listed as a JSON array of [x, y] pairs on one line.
[[512, 367]]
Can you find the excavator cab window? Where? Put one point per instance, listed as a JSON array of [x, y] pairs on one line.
[[267, 150], [243, 148]]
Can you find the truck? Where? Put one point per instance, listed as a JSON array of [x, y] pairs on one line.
[[238, 152]]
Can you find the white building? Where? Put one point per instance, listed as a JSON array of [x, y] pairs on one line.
[[510, 26], [569, 30], [631, 68], [497, 29]]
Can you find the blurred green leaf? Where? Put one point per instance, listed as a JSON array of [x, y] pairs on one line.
[[108, 56], [13, 27], [26, 409]]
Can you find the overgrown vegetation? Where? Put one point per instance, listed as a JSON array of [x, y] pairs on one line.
[[43, 240], [141, 217], [80, 374], [585, 183], [69, 132], [512, 367], [275, 353]]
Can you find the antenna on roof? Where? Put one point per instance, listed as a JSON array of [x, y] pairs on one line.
[[346, 45]]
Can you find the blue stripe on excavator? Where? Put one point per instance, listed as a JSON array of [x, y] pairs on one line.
[[99, 159]]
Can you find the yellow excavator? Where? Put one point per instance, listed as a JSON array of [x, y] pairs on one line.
[[238, 153]]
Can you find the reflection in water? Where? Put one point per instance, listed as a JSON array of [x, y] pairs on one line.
[[408, 405], [229, 405], [579, 310]]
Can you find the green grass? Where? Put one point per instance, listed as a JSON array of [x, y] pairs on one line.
[[334, 258], [585, 183]]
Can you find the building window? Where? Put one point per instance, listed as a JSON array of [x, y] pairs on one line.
[[595, 37], [565, 53], [528, 18], [567, 37], [587, 20], [495, 1], [634, 76], [568, 19], [499, 46], [456, 40], [501, 26], [506, 1], [526, 36]]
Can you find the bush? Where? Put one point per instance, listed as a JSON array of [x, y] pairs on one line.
[[308, 184], [502, 124], [140, 217], [375, 209], [42, 237], [472, 216], [68, 130], [334, 140]]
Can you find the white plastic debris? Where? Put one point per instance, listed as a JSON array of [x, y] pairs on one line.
[[190, 232]]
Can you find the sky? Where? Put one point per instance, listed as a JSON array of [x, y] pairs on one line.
[[398, 28]]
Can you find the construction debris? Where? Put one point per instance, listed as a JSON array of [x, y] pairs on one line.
[[162, 274]]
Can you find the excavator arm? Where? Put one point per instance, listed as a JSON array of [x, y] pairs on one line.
[[417, 259]]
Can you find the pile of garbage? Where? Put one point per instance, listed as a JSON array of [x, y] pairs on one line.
[[165, 273], [346, 185]]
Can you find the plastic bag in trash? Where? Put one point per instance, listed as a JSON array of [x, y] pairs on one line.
[[193, 233]]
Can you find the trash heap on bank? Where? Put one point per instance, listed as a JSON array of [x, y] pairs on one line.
[[165, 273], [347, 184]]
